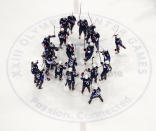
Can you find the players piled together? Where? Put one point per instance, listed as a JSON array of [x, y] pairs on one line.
[[89, 76]]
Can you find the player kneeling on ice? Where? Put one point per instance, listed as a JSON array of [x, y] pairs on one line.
[[118, 43], [63, 36], [71, 78], [59, 67], [94, 73], [39, 79], [96, 94], [106, 68], [86, 82], [69, 49], [89, 51]]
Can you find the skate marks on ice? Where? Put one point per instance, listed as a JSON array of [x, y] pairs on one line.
[[124, 87]]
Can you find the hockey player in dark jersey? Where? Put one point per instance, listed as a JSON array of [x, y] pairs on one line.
[[34, 67], [46, 41], [63, 35], [50, 50], [49, 62], [95, 39], [71, 21], [118, 43], [72, 63], [39, 79], [59, 67], [83, 25], [69, 49], [86, 83], [106, 68], [94, 73], [70, 78], [89, 32], [89, 51], [96, 94], [92, 27], [64, 23], [106, 56]]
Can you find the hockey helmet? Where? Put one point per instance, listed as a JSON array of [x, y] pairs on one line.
[[107, 62], [94, 65], [70, 69], [95, 87], [73, 57], [91, 44], [69, 43], [60, 62], [86, 76], [62, 29]]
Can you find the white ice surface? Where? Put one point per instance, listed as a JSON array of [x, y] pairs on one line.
[[17, 15]]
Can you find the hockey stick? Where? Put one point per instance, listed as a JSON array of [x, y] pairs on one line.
[[80, 10], [116, 31], [84, 42], [90, 19], [100, 57], [92, 61], [54, 29]]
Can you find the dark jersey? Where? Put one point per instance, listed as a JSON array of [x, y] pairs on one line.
[[86, 82], [64, 22], [34, 68], [71, 19], [118, 41], [71, 76], [94, 72], [59, 68], [63, 34], [96, 93]]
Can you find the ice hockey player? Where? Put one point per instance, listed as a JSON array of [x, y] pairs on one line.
[[34, 67], [63, 36], [92, 28], [118, 43], [95, 39], [83, 25], [71, 21], [64, 23], [86, 82], [89, 51], [72, 63], [106, 56], [94, 73], [106, 68], [50, 50], [96, 94], [71, 78], [69, 49], [59, 67], [89, 32], [46, 41], [49, 62], [39, 79]]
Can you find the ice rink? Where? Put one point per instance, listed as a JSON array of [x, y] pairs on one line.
[[128, 92]]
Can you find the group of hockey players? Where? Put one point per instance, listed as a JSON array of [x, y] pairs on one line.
[[89, 75]]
